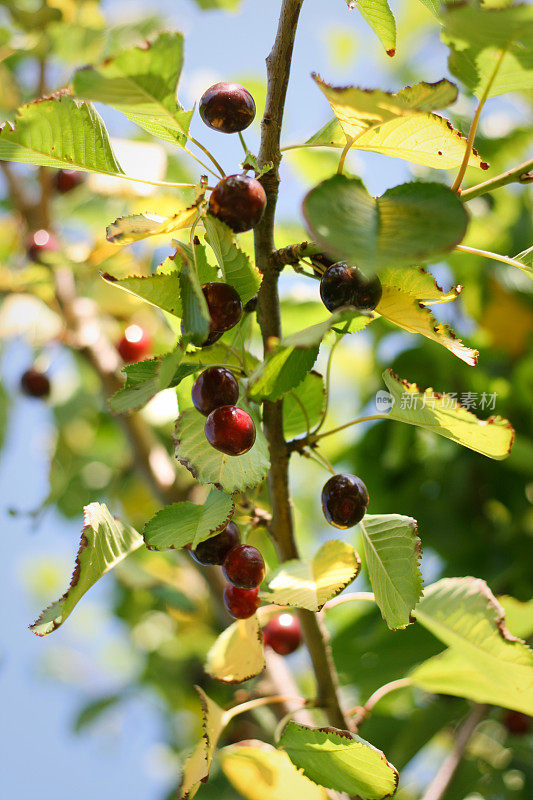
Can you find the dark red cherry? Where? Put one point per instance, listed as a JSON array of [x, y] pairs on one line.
[[244, 567], [342, 285], [241, 603], [251, 305], [344, 500], [214, 387], [65, 180], [35, 383], [516, 722], [212, 337], [135, 344], [224, 306], [230, 430], [239, 201], [40, 243], [227, 107], [213, 551], [283, 634]]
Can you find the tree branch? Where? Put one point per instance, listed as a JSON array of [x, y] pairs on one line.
[[440, 783], [269, 317], [523, 173]]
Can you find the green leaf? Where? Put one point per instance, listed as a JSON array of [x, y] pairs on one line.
[[287, 364], [144, 379], [105, 541], [136, 227], [207, 465], [378, 15], [59, 132], [399, 124], [195, 314], [310, 584], [161, 290], [464, 614], [526, 258], [237, 655], [519, 615], [340, 760], [182, 524], [236, 267], [304, 405], [477, 38], [402, 303], [141, 82], [258, 771], [196, 768], [410, 223], [442, 414], [393, 552]]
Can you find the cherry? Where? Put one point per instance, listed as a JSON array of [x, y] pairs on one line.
[[516, 722], [283, 634], [214, 387], [227, 107], [239, 201], [342, 285], [35, 383], [251, 305], [213, 551], [40, 243], [212, 337], [244, 567], [241, 603], [65, 180], [134, 345], [224, 306], [344, 500], [230, 430]]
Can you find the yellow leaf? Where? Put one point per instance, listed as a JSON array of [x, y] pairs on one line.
[[237, 655], [126, 230], [443, 414], [403, 303], [196, 767], [310, 584], [260, 772]]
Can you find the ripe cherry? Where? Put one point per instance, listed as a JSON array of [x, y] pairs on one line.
[[135, 344], [214, 387], [35, 383], [213, 551], [516, 722], [342, 285], [227, 107], [239, 201], [230, 430], [241, 603], [40, 243], [65, 180], [344, 500], [224, 306], [244, 567], [283, 634], [212, 337]]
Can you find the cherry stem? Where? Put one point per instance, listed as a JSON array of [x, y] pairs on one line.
[[303, 410], [202, 164], [350, 597], [209, 155], [361, 712], [250, 705], [328, 380], [344, 153], [370, 418], [488, 254], [244, 145], [523, 173], [475, 122]]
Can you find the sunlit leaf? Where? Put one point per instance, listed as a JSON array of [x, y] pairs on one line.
[[196, 767], [260, 772], [126, 230], [141, 82], [310, 584], [518, 615], [59, 132], [378, 15], [105, 541], [443, 414], [237, 655], [236, 266], [185, 523], [410, 223], [393, 553], [340, 760], [144, 379], [207, 465], [161, 290], [402, 305]]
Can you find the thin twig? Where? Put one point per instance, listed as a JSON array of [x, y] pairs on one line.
[[440, 783], [360, 713], [523, 173], [488, 254], [350, 597], [370, 418]]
